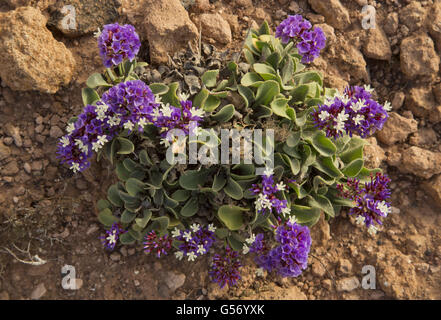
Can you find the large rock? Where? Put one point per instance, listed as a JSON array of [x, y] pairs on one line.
[[373, 153], [377, 45], [434, 24], [420, 162], [418, 56], [413, 16], [433, 188], [420, 100], [334, 12], [39, 4], [80, 17], [31, 58], [168, 28], [214, 28], [396, 129]]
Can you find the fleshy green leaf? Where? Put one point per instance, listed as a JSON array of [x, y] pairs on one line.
[[225, 114], [90, 96], [107, 218], [190, 208], [233, 189], [231, 216], [209, 78], [96, 80]]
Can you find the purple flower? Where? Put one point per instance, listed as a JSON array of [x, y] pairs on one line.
[[195, 241], [225, 269], [290, 256], [268, 195], [112, 235], [157, 244], [353, 112], [117, 43], [309, 43], [370, 199]]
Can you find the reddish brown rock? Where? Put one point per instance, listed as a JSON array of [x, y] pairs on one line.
[[373, 154], [420, 162], [433, 188], [396, 129], [420, 100], [377, 45], [214, 28], [334, 12]]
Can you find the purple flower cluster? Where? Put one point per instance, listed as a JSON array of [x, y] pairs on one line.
[[290, 256], [309, 42], [186, 118], [225, 269], [125, 105], [112, 235], [195, 241], [117, 43], [370, 199], [157, 244], [353, 112], [267, 195]]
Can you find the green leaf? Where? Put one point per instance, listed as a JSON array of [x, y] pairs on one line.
[[231, 216], [233, 189], [127, 216], [192, 179], [102, 204], [125, 146], [142, 222], [287, 70], [107, 218], [365, 174], [247, 94], [279, 107], [306, 215], [293, 139], [266, 92], [171, 97], [160, 223], [144, 158], [225, 114], [89, 96], [318, 181], [219, 182], [353, 150], [211, 103], [222, 233], [327, 166], [251, 79], [353, 168], [322, 144], [121, 171], [235, 244], [158, 88], [113, 196], [181, 195], [190, 208], [209, 78], [321, 202], [308, 77], [200, 98], [134, 186], [96, 80], [126, 239]]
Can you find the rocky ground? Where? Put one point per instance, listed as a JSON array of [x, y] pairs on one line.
[[47, 212]]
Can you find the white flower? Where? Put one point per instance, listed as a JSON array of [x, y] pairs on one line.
[[263, 202], [65, 141], [197, 112], [201, 249], [81, 146], [187, 235], [176, 233], [324, 115], [165, 142], [100, 115], [112, 237], [268, 172], [184, 96], [251, 239], [114, 121], [102, 139], [292, 219], [280, 186], [358, 119], [360, 219], [70, 127], [195, 227], [343, 97], [179, 255], [383, 207], [245, 249], [166, 110], [286, 211], [158, 99], [211, 227], [372, 230], [75, 167], [341, 118], [97, 33], [142, 122], [191, 256], [96, 146], [260, 272], [129, 125], [358, 105], [368, 88], [387, 106]]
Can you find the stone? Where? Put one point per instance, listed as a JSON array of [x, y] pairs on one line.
[[31, 58], [317, 269], [435, 115], [351, 60], [377, 45], [420, 100], [420, 162], [390, 24], [245, 3], [344, 267], [10, 169], [200, 6], [38, 292], [327, 284], [14, 133], [55, 132], [423, 137], [174, 280], [5, 151], [413, 16], [334, 12], [115, 256], [373, 154], [347, 284], [398, 100], [396, 129], [418, 56], [39, 4], [433, 188], [83, 16], [214, 28], [434, 24], [168, 28]]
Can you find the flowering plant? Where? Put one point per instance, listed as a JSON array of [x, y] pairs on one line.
[[312, 166]]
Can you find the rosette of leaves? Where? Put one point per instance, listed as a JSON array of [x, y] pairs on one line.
[[277, 91]]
